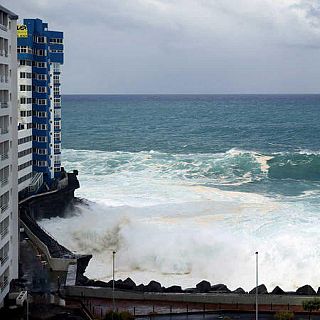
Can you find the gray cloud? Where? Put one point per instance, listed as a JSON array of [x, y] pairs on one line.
[[184, 46]]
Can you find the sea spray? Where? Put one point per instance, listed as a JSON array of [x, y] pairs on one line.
[[179, 228]]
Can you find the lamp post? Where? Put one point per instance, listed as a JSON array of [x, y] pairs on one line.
[[257, 285], [113, 258]]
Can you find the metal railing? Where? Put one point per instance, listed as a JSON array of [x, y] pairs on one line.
[[4, 130], [4, 233], [4, 259], [4, 207], [4, 105], [4, 284], [4, 156], [4, 181]]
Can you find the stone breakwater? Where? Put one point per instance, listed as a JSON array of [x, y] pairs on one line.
[[202, 287]]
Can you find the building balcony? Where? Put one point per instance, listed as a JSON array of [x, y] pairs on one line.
[[4, 156], [4, 105], [4, 207], [4, 259], [4, 232], [3, 27], [4, 79], [4, 130], [4, 53], [5, 282], [4, 182]]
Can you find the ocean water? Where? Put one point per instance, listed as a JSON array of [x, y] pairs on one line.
[[188, 187]]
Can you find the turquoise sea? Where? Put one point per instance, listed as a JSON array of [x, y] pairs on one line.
[[188, 187]]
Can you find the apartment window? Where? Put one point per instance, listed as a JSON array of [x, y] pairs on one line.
[[57, 113], [4, 201], [40, 39], [24, 178], [41, 114], [40, 163], [25, 63], [25, 75], [42, 102], [41, 151], [57, 125], [24, 49], [41, 89], [40, 76], [41, 64], [41, 126], [24, 87], [56, 67], [24, 100], [39, 138], [4, 20], [25, 165], [57, 102], [57, 136], [56, 40], [4, 227], [4, 149], [4, 175], [57, 148], [24, 152], [40, 52], [24, 140]]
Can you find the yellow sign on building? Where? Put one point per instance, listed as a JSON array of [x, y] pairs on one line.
[[22, 31]]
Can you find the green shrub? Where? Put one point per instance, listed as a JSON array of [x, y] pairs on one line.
[[124, 315], [284, 315]]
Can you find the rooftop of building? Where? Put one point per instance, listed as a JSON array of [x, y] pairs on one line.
[[12, 15]]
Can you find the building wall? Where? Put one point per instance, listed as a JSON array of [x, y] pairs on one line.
[[8, 152], [42, 51], [24, 126]]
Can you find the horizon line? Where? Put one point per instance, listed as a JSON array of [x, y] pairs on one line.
[[183, 94]]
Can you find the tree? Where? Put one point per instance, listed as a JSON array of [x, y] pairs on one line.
[[284, 315], [311, 305]]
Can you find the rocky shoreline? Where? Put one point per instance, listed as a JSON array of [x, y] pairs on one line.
[[202, 287]]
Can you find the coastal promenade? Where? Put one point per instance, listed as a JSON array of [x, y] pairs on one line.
[[99, 302]]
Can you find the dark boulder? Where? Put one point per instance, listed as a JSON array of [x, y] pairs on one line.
[[129, 284], [306, 290], [173, 289], [140, 287], [90, 283], [277, 290], [153, 286], [239, 291], [204, 286], [222, 288], [261, 290]]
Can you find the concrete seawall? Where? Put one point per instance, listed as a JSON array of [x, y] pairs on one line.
[[203, 298]]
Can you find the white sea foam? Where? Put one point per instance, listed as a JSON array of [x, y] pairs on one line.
[[166, 225]]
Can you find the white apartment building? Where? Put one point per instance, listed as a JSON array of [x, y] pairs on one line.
[[9, 243], [24, 124]]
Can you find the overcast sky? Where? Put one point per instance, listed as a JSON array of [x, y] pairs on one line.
[[184, 46]]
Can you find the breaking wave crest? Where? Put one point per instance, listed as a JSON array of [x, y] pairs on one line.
[[231, 167]]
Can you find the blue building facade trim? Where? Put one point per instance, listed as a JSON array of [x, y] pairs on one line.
[[43, 50]]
